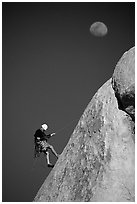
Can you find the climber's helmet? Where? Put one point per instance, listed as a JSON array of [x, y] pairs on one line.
[[44, 126]]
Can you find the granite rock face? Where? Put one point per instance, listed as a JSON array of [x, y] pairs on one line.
[[123, 81], [98, 163]]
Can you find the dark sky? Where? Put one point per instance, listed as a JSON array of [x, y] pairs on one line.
[[52, 67]]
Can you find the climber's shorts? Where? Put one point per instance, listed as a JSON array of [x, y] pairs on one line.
[[44, 145]]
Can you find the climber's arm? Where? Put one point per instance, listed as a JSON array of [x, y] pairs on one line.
[[48, 136]]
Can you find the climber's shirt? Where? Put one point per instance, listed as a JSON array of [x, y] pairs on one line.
[[41, 142], [41, 135]]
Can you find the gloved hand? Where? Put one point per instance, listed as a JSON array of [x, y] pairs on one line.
[[53, 133]]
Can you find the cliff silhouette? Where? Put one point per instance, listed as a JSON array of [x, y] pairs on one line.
[[98, 163]]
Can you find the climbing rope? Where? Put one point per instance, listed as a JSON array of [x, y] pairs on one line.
[[67, 125]]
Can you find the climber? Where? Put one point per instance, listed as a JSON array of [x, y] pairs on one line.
[[41, 145]]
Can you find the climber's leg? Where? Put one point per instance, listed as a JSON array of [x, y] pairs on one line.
[[47, 156], [53, 151]]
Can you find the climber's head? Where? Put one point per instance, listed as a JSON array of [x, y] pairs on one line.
[[44, 127]]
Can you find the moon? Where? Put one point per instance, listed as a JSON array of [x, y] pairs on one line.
[[98, 29]]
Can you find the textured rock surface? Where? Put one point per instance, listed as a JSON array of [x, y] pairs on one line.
[[98, 162], [123, 81]]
